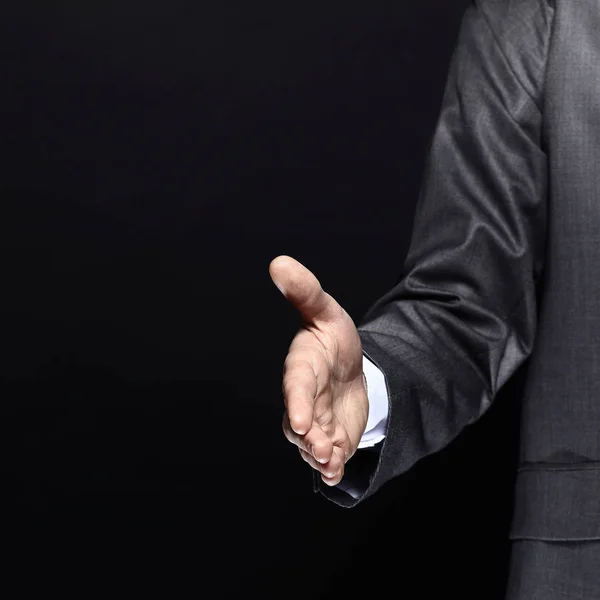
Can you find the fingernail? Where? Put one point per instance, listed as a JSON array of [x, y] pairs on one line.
[[322, 460]]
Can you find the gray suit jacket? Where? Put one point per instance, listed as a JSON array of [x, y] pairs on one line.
[[503, 270]]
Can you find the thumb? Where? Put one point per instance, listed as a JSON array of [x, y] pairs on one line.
[[303, 290]]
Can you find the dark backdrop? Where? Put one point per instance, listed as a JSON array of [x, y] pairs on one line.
[[155, 157]]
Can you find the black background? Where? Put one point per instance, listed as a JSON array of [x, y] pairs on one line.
[[156, 156]]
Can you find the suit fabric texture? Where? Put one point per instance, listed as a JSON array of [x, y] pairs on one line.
[[503, 272]]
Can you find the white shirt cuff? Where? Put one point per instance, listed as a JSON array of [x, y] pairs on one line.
[[378, 405]]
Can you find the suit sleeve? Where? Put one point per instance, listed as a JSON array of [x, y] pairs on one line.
[[462, 317]]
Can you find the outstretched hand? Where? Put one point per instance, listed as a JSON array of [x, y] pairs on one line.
[[326, 404]]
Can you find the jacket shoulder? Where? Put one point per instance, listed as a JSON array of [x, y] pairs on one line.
[[522, 30]]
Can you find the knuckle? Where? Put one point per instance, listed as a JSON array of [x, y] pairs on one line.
[[322, 414], [318, 446], [296, 360], [341, 440], [294, 383], [327, 427], [299, 377]]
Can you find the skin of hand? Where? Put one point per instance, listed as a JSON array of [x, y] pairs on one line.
[[324, 390]]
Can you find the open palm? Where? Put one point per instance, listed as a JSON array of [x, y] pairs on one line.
[[323, 385]]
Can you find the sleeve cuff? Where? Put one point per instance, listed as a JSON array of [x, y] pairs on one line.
[[378, 405]]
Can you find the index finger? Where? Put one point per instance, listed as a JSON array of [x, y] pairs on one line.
[[299, 392]]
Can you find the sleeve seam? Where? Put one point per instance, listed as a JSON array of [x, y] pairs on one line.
[[541, 75]]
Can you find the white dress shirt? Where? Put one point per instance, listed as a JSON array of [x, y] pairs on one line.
[[378, 405]]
